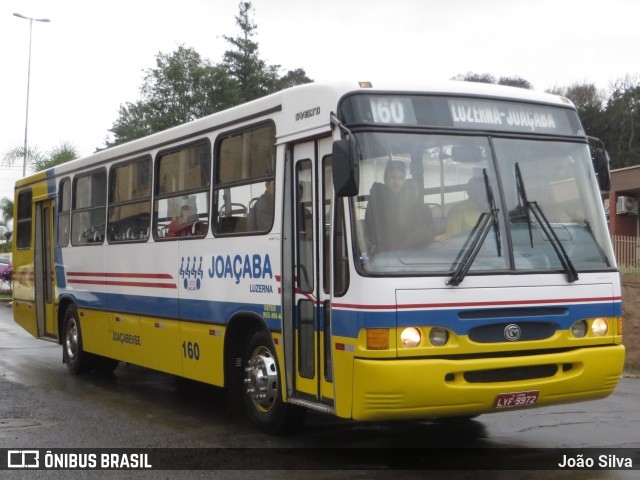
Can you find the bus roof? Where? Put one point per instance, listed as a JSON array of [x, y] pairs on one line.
[[305, 110]]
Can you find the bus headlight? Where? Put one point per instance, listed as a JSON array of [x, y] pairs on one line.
[[579, 329], [438, 336], [410, 337], [600, 327]]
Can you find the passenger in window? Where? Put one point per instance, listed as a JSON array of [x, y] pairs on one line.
[[261, 215], [181, 225], [464, 215], [396, 218]]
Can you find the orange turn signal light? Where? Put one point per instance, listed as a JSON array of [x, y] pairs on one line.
[[377, 339], [619, 325]]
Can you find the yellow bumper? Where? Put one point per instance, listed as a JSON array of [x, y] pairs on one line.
[[429, 388]]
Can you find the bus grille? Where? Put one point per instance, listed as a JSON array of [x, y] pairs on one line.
[[495, 333], [510, 374]]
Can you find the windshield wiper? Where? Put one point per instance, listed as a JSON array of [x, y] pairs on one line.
[[493, 210], [476, 238], [545, 226]]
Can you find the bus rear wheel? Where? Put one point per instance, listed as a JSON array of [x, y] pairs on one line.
[[261, 391], [77, 360]]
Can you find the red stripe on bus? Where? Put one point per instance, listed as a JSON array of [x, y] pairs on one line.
[[123, 284], [477, 304], [119, 275]]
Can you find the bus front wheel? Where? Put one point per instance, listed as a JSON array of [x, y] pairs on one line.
[[261, 391], [77, 360]]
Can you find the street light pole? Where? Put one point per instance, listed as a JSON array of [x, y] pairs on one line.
[[26, 121]]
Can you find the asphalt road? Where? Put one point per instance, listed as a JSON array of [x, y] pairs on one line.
[[42, 406]]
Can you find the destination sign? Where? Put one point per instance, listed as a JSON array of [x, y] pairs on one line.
[[463, 113], [507, 116]]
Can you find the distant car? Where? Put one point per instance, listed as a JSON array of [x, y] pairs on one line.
[[5, 264]]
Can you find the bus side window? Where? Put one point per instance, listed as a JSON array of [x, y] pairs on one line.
[[64, 212], [181, 206], [244, 193], [89, 201], [23, 227], [130, 201]]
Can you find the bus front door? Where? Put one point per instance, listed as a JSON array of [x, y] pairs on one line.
[[310, 312], [43, 269]]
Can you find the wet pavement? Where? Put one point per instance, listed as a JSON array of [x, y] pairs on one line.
[[43, 406]]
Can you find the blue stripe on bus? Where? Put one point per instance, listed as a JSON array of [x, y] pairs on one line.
[[201, 311], [346, 323]]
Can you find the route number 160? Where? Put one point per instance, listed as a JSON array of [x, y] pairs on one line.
[[388, 110], [191, 350]]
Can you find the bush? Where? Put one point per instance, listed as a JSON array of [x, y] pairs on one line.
[[6, 247], [6, 275]]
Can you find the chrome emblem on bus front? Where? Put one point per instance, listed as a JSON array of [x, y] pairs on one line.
[[512, 332]]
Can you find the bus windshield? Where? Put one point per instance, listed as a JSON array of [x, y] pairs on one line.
[[424, 197]]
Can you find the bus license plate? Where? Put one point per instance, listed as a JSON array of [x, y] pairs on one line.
[[517, 399]]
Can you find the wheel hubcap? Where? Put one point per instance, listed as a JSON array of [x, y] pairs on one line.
[[71, 340], [261, 379]]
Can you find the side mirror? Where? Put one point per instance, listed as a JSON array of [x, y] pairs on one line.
[[600, 159], [346, 173]]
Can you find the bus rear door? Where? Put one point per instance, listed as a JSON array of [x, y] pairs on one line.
[[43, 269]]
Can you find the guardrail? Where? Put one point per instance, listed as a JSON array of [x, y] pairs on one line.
[[627, 251]]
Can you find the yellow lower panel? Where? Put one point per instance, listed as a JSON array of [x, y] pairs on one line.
[[161, 350], [96, 337], [343, 375], [417, 388], [24, 313], [125, 340], [201, 350]]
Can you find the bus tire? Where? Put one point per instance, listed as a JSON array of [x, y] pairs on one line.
[[262, 388], [77, 360]]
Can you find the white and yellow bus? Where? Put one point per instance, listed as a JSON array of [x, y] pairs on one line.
[[267, 249]]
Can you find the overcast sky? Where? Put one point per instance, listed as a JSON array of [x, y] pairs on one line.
[[90, 58]]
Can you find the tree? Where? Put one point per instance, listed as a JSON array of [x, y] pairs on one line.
[[254, 77], [613, 118], [622, 135], [6, 205], [589, 101], [63, 153], [515, 82], [488, 78], [183, 86], [292, 78], [252, 74], [475, 77], [38, 161], [15, 156]]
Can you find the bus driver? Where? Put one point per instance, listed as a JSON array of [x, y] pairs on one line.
[[396, 219]]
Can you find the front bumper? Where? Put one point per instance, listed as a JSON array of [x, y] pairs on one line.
[[432, 388]]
